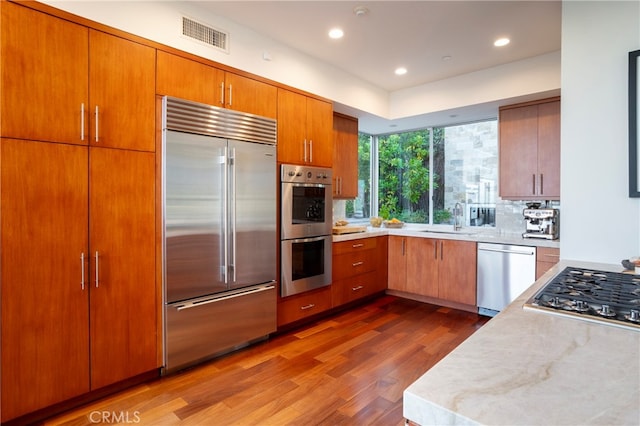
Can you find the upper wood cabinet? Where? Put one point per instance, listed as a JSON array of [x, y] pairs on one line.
[[345, 156], [73, 85], [85, 317], [305, 129], [188, 79], [121, 93], [530, 151]]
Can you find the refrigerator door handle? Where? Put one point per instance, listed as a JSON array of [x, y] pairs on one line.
[[225, 216], [195, 304], [233, 192]]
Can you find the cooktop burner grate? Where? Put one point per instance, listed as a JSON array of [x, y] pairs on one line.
[[607, 297]]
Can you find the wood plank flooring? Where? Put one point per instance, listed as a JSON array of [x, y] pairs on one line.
[[348, 369]]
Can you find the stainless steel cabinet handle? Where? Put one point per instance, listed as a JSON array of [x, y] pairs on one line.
[[441, 250], [435, 249], [230, 95], [357, 245], [357, 264], [403, 246], [82, 123], [541, 184], [97, 273], [533, 183], [357, 288], [97, 113], [222, 93], [82, 270], [309, 306], [305, 151], [311, 151]]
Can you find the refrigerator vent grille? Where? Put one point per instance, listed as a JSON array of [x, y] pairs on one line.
[[205, 34], [193, 117]]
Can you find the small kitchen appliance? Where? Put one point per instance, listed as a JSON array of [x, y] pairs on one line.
[[541, 223], [611, 298]]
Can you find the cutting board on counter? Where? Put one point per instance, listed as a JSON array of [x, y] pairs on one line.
[[339, 230]]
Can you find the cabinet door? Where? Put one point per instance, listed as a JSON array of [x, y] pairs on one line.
[[292, 123], [186, 79], [518, 151], [44, 78], [45, 318], [423, 255], [319, 132], [122, 233], [549, 149], [345, 157], [249, 95], [397, 263], [123, 91], [457, 271]]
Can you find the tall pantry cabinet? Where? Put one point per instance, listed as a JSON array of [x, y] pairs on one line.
[[77, 210]]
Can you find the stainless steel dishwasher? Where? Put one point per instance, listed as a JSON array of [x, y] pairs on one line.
[[504, 272]]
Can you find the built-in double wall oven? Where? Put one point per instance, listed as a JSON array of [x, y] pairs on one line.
[[305, 229]]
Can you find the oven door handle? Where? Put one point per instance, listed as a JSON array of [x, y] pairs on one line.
[[310, 239]]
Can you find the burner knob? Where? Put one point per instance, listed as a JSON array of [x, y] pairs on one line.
[[582, 306], [606, 310], [634, 315]]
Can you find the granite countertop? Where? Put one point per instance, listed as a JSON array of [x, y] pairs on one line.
[[526, 367], [488, 235]]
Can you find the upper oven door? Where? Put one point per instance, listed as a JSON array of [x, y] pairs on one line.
[[306, 210]]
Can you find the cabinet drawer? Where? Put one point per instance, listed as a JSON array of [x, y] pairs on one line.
[[350, 264], [546, 258], [301, 306], [350, 289], [354, 245]]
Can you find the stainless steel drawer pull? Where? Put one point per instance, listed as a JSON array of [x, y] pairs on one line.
[[357, 264], [222, 93], [97, 113], [309, 306], [357, 288], [82, 124], [357, 245], [230, 95]]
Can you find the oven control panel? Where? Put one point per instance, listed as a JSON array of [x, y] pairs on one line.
[[305, 174]]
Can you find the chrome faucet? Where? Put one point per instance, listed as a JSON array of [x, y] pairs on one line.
[[457, 210]]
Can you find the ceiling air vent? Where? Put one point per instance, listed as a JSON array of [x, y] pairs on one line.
[[205, 34]]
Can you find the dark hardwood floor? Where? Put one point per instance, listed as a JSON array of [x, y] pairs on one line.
[[348, 369]]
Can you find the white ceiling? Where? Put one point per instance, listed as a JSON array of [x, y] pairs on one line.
[[417, 35]]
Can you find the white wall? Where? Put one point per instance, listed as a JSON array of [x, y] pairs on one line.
[[599, 221]]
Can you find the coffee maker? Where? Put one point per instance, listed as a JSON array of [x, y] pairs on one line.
[[541, 222]]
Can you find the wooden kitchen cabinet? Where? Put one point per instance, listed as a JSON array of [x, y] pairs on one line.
[[359, 269], [189, 79], [52, 85], [345, 156], [63, 333], [438, 269], [300, 306], [305, 129], [44, 79], [546, 258], [530, 150]]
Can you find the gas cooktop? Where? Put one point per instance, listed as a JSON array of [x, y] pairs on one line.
[[611, 298]]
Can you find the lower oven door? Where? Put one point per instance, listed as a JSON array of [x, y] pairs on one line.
[[306, 264]]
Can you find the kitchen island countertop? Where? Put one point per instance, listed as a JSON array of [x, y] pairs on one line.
[[528, 367]]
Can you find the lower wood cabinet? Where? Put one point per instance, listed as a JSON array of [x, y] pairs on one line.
[[546, 258], [78, 301], [438, 269], [300, 306], [359, 269]]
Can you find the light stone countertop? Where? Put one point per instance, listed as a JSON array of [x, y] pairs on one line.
[[527, 367], [480, 234]]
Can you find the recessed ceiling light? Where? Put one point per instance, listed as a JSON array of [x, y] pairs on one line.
[[446, 58], [336, 33], [501, 42], [401, 71], [360, 11]]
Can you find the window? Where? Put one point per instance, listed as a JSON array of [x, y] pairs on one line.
[[421, 175]]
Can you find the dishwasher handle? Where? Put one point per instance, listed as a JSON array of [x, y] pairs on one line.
[[528, 252]]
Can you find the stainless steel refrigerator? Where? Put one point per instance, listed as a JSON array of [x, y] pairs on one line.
[[219, 251]]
